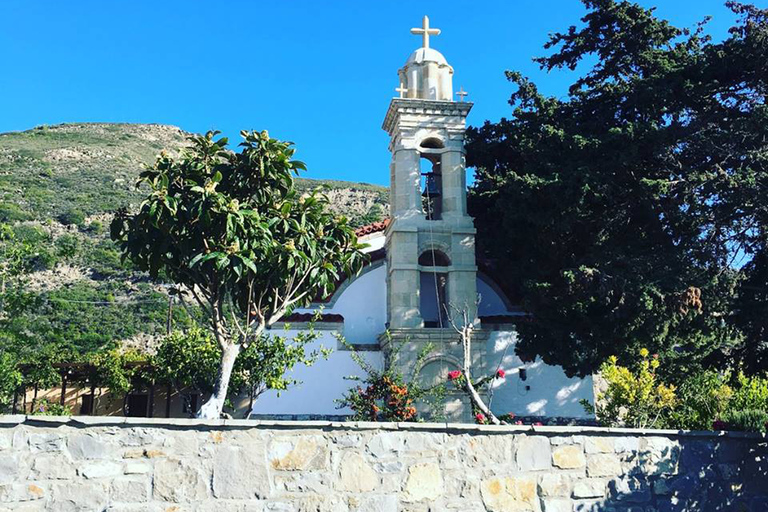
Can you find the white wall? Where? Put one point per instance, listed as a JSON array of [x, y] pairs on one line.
[[363, 306], [321, 383], [551, 392]]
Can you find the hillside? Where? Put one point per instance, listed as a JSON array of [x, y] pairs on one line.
[[58, 188]]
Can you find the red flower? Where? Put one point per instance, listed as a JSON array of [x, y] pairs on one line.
[[455, 374], [519, 422], [719, 425], [500, 373], [480, 417], [538, 424], [511, 415]]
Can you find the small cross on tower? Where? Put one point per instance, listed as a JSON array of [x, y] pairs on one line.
[[425, 32], [402, 90], [461, 94]]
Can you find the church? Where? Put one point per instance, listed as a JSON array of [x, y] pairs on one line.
[[422, 277]]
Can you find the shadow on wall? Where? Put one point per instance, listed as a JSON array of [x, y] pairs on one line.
[[660, 474]]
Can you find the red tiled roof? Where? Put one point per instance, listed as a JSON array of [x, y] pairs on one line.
[[372, 228]]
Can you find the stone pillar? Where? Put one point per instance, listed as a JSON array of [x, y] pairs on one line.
[[403, 278], [454, 183], [462, 281], [405, 175]]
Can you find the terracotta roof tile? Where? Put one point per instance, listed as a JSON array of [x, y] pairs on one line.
[[372, 228]]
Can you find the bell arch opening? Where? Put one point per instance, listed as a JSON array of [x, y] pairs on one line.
[[432, 187], [433, 288]]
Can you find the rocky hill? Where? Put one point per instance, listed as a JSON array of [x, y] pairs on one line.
[[58, 188]]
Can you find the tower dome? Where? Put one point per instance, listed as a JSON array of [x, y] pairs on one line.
[[426, 74]]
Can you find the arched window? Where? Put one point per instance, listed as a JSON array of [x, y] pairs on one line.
[[432, 143], [433, 283]]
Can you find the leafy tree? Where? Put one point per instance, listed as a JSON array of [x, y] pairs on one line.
[[619, 213], [232, 228], [10, 379]]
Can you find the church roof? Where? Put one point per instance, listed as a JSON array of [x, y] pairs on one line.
[[372, 228]]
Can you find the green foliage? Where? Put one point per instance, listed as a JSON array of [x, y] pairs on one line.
[[116, 369], [72, 216], [633, 397], [750, 420], [188, 359], [751, 392], [45, 407], [68, 246], [10, 380], [232, 228], [701, 399], [616, 213], [385, 395]]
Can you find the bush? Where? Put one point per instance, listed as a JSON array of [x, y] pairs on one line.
[[749, 420], [633, 398], [45, 407], [68, 246], [702, 399], [72, 216]]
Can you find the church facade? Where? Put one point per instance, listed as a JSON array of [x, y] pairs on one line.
[[423, 281]]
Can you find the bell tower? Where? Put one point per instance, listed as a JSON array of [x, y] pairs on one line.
[[430, 242]]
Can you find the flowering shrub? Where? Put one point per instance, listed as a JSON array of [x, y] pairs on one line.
[[633, 397], [384, 395], [45, 407]]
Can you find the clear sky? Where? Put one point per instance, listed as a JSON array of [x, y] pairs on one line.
[[318, 73]]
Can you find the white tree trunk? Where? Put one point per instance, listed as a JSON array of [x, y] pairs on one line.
[[212, 409]]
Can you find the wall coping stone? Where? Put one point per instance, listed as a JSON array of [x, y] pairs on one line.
[[187, 423]]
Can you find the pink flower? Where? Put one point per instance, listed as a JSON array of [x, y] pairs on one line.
[[719, 425], [500, 373], [455, 374], [519, 422], [480, 417], [655, 356], [538, 424]]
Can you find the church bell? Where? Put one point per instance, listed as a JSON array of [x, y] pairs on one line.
[[431, 188]]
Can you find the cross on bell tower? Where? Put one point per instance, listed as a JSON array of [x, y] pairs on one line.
[[425, 31]]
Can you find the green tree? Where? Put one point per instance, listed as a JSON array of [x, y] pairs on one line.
[[10, 380], [618, 214], [232, 228]]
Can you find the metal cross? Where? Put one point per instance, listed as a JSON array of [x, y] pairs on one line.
[[461, 93], [402, 90], [425, 32]]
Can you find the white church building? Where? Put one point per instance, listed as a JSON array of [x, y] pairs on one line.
[[422, 269]]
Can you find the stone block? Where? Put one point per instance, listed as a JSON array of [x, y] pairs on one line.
[[603, 464], [240, 473], [19, 492], [136, 468], [356, 475], [84, 446], [130, 490], [54, 466], [377, 504], [101, 469], [298, 453], [77, 497], [510, 494], [557, 505], [555, 484], [10, 468], [179, 482], [630, 489], [533, 453], [568, 457], [626, 444], [424, 482], [44, 442], [599, 445], [589, 488]]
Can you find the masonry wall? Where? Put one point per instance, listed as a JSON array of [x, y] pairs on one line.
[[119, 464]]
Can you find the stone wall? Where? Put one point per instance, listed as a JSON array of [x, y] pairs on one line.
[[119, 464]]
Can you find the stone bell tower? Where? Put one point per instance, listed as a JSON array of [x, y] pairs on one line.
[[430, 242]]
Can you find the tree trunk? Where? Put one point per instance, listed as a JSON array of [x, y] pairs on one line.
[[474, 396], [213, 407]]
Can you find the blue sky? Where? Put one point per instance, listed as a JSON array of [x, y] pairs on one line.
[[318, 73]]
